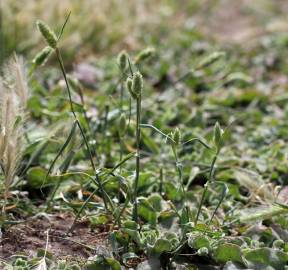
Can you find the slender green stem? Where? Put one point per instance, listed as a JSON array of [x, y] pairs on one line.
[[197, 140], [59, 58], [121, 97], [94, 192], [104, 133], [158, 131], [120, 168], [130, 112], [180, 174], [211, 172], [161, 181], [138, 137], [94, 149], [64, 169], [81, 210]]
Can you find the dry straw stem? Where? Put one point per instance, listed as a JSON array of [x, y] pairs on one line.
[[13, 100]]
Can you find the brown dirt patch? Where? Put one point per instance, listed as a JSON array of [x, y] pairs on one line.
[[31, 235]]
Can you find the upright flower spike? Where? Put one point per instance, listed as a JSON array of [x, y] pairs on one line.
[[137, 84], [47, 33], [123, 60]]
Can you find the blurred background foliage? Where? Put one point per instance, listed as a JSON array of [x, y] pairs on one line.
[[99, 27]]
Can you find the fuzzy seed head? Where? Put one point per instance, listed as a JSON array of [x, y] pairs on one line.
[[145, 54], [177, 136], [122, 125], [137, 83], [129, 84], [47, 33], [41, 57], [123, 60]]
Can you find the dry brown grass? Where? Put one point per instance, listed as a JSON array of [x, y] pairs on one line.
[[13, 99]]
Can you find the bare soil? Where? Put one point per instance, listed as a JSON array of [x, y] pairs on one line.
[[29, 236]]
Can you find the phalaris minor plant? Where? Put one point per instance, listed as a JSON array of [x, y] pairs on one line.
[[135, 87], [122, 130], [52, 41], [176, 136], [176, 142], [219, 137]]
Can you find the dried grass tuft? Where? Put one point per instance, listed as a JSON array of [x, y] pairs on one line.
[[13, 101]]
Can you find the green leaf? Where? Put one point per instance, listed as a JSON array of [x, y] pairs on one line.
[[128, 256], [147, 212], [198, 241], [102, 263], [155, 200], [260, 257], [228, 252], [161, 246], [149, 142], [130, 224], [36, 177]]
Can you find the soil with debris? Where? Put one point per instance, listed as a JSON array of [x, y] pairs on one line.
[[32, 235]]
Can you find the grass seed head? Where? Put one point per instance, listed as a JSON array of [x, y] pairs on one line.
[[41, 57], [129, 84], [211, 59], [123, 60], [122, 125], [47, 33], [177, 136], [137, 84], [217, 136], [145, 54]]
